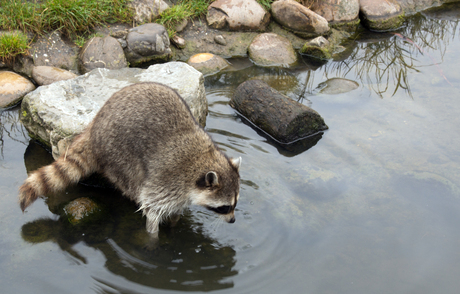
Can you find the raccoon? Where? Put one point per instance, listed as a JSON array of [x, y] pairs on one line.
[[146, 142]]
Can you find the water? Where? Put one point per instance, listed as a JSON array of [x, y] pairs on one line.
[[370, 206]]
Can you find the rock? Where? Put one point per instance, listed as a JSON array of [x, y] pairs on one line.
[[219, 39], [80, 210], [147, 10], [297, 18], [207, 63], [12, 88], [282, 118], [51, 50], [53, 114], [149, 42], [338, 13], [178, 42], [102, 53], [381, 15], [116, 30], [237, 15], [337, 86], [413, 6], [181, 26], [318, 48], [45, 75], [270, 49]]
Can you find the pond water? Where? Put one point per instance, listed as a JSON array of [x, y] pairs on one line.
[[370, 206]]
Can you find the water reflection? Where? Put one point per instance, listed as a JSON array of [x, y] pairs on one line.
[[383, 60], [11, 127], [187, 260]]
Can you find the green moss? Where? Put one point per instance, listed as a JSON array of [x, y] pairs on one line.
[[316, 52], [381, 24]]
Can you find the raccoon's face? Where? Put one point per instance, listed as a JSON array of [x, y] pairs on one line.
[[218, 191]]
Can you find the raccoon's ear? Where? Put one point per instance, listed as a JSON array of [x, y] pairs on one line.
[[211, 179], [236, 162]]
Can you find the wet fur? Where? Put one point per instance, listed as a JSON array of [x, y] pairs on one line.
[[147, 143]]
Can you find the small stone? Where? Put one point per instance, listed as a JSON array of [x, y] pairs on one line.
[[270, 49], [80, 209], [337, 86], [178, 42], [147, 10], [148, 42], [381, 15], [207, 63], [120, 34], [337, 11], [12, 88], [237, 15], [219, 39], [318, 48], [299, 19], [102, 53], [45, 75], [181, 26], [123, 43]]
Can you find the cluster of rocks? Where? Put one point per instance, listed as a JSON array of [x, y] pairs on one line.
[[232, 28]]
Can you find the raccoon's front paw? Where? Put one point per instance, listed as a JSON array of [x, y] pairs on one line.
[[152, 243]]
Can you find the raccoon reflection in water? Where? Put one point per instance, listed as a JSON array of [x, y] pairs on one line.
[[147, 143]]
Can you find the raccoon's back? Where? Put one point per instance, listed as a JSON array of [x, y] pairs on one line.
[[133, 128]]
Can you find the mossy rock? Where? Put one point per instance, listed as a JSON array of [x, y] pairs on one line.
[[82, 210]]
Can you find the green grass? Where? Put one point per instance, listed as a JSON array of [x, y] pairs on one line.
[[186, 9], [68, 16], [266, 3], [12, 44]]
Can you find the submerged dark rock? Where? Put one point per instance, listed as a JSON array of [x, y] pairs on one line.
[[277, 115]]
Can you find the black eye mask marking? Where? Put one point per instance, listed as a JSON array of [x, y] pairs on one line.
[[221, 209]]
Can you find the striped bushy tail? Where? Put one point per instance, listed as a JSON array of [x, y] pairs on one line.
[[76, 163]]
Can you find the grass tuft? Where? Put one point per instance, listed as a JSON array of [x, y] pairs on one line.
[[185, 9], [12, 44]]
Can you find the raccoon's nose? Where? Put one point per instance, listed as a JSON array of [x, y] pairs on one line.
[[232, 220]]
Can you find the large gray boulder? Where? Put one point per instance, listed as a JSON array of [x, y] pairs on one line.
[[297, 18], [102, 53], [237, 15], [53, 114], [148, 42], [381, 15]]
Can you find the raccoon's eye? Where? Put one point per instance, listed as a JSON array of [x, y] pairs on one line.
[[221, 209]]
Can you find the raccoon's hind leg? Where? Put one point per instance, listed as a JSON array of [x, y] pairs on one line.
[[78, 162]]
